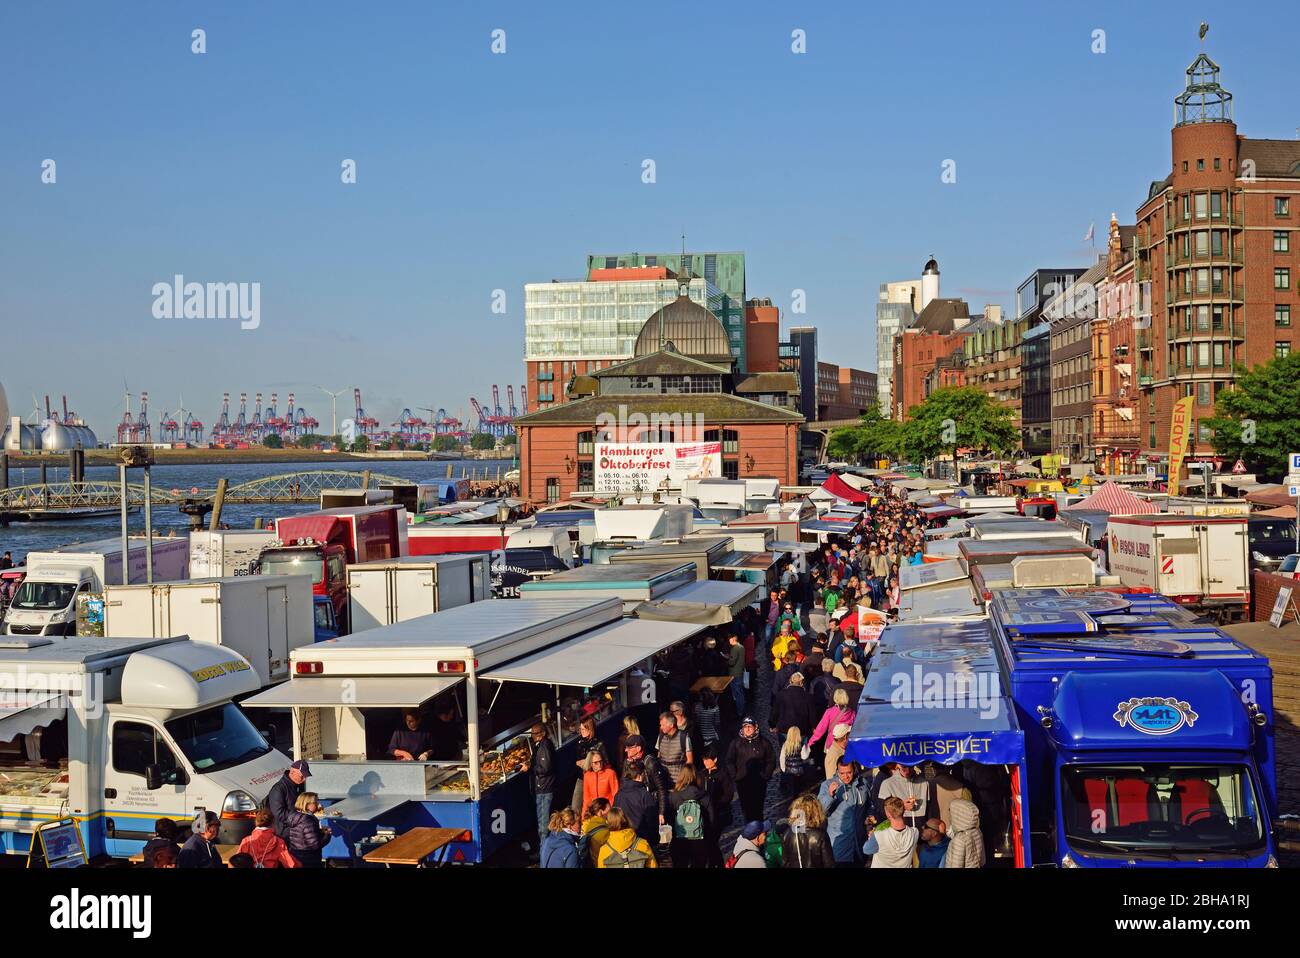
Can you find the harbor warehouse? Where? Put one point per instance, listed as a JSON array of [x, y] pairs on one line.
[[677, 410]]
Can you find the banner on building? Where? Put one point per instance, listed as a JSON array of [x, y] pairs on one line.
[[1180, 428], [652, 467]]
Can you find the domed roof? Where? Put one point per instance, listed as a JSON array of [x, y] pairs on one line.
[[931, 266], [691, 329]]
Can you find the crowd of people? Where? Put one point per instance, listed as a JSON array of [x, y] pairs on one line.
[[757, 776]]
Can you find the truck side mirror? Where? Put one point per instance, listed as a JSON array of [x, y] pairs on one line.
[[152, 777]]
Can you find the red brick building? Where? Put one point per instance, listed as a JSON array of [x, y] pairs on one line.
[[1217, 240], [1114, 346], [937, 333], [762, 336], [680, 386]]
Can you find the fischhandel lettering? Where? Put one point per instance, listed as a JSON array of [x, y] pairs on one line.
[[217, 671]]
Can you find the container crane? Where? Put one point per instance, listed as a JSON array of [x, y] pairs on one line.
[[126, 428], [222, 429], [367, 426], [143, 431]]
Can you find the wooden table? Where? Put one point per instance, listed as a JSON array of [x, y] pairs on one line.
[[414, 847], [717, 684]]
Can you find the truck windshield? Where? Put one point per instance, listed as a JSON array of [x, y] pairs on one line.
[[44, 596], [217, 738], [1161, 811], [294, 563]]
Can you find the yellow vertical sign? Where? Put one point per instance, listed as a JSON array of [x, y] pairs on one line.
[[1180, 428]]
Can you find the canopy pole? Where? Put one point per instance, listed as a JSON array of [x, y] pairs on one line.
[[471, 724]]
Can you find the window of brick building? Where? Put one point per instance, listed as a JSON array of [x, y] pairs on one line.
[[1216, 206], [1216, 164], [1281, 278], [1200, 166], [1281, 206], [1203, 394], [1282, 315], [1282, 348], [1281, 241]]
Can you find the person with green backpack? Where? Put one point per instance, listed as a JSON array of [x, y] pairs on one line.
[[623, 848], [689, 813]]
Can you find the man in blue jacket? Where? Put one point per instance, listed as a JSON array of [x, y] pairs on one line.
[[846, 799]]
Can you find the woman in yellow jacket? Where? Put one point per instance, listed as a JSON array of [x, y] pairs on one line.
[[623, 849], [784, 640], [595, 831]]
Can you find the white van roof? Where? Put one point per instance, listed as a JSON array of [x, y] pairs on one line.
[[186, 675], [34, 655]]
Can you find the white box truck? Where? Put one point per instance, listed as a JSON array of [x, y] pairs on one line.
[[1198, 561], [127, 732], [393, 590], [263, 618], [46, 602], [228, 552]]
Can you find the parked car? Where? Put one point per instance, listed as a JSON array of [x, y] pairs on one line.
[[1290, 566]]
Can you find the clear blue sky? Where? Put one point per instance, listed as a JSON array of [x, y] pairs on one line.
[[479, 171]]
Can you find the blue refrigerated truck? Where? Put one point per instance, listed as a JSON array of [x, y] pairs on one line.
[[1124, 732]]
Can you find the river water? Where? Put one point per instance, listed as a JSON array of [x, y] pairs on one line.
[[21, 538]]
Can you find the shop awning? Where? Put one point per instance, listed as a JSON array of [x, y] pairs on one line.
[[23, 712], [902, 718], [596, 655], [706, 602], [372, 691], [842, 490]]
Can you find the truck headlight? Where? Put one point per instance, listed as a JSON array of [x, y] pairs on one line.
[[238, 804], [1068, 862], [1259, 556]]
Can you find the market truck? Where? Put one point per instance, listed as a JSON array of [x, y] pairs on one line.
[[227, 552], [394, 590], [46, 602], [124, 732], [500, 665], [1199, 561], [323, 544], [263, 618], [1099, 730]]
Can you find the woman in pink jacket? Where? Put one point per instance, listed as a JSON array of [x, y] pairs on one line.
[[838, 713]]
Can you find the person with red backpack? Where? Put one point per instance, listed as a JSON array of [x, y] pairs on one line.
[[624, 848], [748, 852]]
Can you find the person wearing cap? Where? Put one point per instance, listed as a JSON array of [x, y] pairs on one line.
[[934, 844], [751, 762], [748, 852], [199, 850], [284, 795], [655, 778], [838, 746]]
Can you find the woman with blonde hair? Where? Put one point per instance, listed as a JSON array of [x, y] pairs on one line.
[[630, 727], [623, 847], [307, 837], [560, 847], [595, 832], [839, 713], [806, 843], [793, 762]]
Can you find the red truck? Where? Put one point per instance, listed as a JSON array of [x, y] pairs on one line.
[[325, 543]]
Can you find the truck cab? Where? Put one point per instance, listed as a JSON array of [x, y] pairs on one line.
[[326, 564], [117, 733], [45, 604], [327, 626], [1173, 779]]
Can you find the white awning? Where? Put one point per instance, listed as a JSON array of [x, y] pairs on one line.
[[595, 656], [1124, 369], [706, 602], [1124, 412], [376, 691], [23, 712]]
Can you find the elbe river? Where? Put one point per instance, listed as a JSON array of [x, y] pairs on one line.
[[21, 538]]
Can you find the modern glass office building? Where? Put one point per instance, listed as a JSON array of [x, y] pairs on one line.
[[724, 271]]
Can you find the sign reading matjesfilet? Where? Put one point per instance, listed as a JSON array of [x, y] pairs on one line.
[[650, 467]]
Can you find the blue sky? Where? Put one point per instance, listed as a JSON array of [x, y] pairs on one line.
[[479, 172]]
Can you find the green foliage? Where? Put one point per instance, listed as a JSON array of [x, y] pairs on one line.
[[874, 436], [1259, 421], [954, 417], [360, 444], [510, 440], [445, 444], [311, 440], [481, 440], [273, 441]]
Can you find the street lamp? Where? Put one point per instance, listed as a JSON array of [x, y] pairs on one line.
[[503, 519], [334, 408]]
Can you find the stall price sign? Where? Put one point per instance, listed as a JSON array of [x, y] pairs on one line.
[[1295, 462], [57, 844], [1280, 607], [1151, 473]]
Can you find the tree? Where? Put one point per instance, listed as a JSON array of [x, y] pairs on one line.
[[273, 441], [1259, 420], [445, 443], [956, 416], [510, 439], [310, 440], [481, 440], [361, 444], [874, 436]]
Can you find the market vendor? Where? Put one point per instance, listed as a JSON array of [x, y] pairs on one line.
[[409, 744], [447, 735]]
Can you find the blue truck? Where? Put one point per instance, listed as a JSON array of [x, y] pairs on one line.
[[1124, 732]]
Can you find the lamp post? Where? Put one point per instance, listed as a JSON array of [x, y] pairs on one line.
[[503, 519]]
